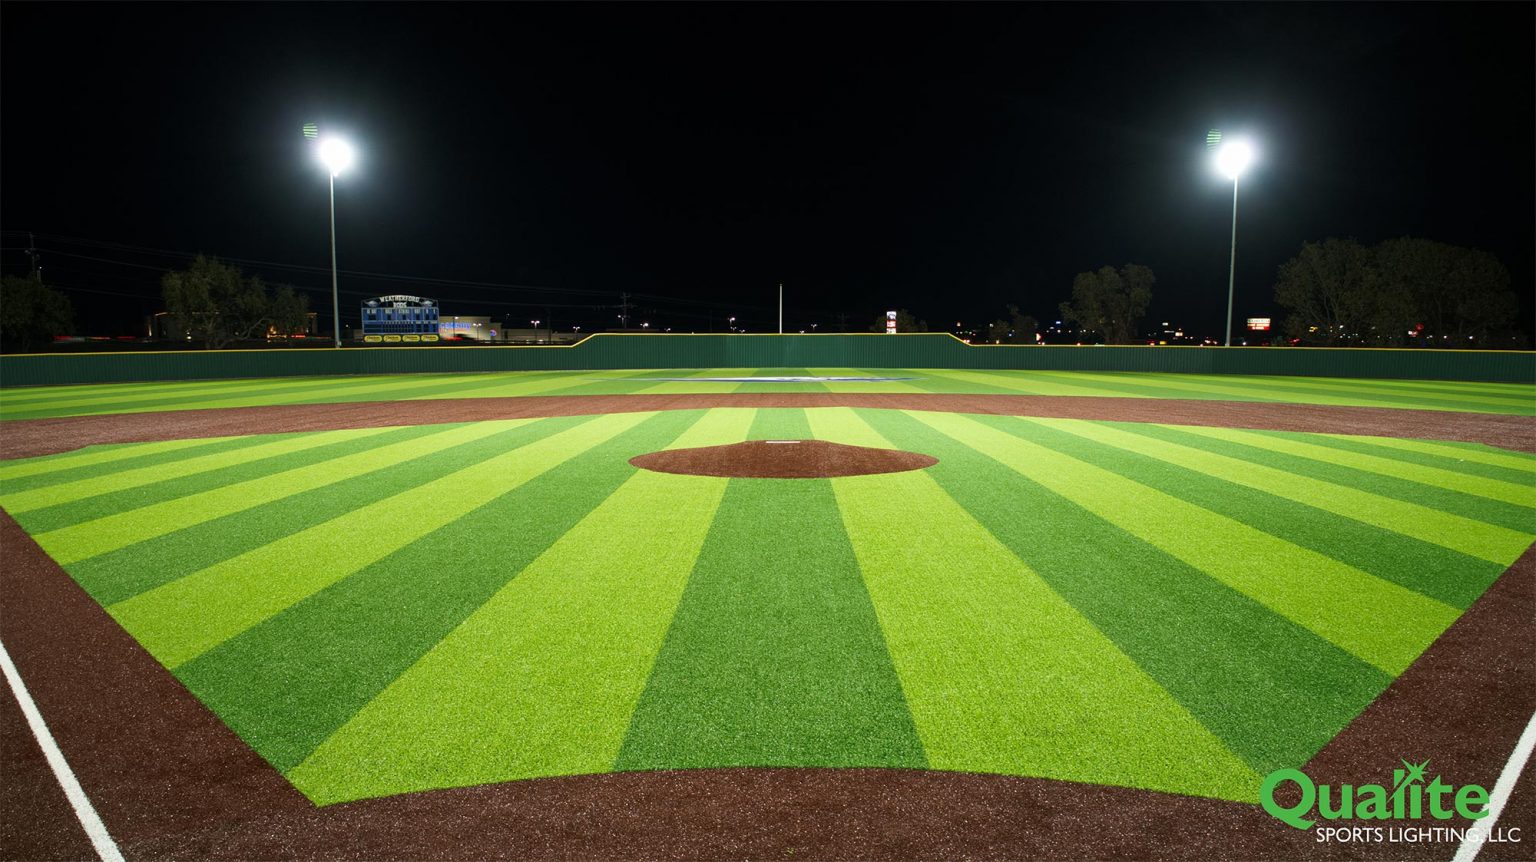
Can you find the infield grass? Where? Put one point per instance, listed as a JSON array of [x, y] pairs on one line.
[[400, 609]]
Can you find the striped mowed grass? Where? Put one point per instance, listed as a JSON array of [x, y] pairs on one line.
[[57, 401], [387, 610]]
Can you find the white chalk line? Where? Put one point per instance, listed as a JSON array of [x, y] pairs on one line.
[[106, 848], [1501, 791]]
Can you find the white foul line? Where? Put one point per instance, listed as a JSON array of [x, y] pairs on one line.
[[1501, 791], [106, 848]]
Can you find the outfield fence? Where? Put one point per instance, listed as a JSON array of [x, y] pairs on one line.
[[624, 351]]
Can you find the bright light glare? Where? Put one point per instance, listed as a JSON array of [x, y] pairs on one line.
[[1233, 158], [335, 154]]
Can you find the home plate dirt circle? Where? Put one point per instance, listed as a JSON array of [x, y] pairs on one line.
[[783, 459]]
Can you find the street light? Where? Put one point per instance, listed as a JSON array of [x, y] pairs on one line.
[[336, 155], [1232, 159]]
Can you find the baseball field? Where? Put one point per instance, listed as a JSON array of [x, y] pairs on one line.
[[758, 612]]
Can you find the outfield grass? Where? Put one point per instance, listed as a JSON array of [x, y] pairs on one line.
[[44, 402], [394, 609]]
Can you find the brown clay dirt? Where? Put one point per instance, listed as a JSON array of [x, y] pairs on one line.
[[783, 459], [172, 782], [25, 438]]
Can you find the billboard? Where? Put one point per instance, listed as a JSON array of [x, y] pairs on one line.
[[890, 323]]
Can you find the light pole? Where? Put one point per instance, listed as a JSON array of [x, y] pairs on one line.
[[336, 155], [1232, 159]]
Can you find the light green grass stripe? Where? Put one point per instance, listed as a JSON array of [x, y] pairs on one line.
[[1480, 486], [1211, 386], [1470, 395], [682, 387], [186, 617], [1466, 397], [513, 386], [1516, 393], [1035, 383], [328, 391], [284, 697], [87, 539], [1363, 394], [1480, 454], [1475, 538], [1367, 446], [95, 455], [1001, 674], [72, 396], [543, 678], [1380, 622], [198, 394], [81, 489]]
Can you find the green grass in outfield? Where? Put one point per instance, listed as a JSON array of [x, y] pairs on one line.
[[398, 609], [38, 403]]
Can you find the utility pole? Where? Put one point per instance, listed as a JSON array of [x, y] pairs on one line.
[[781, 308], [37, 268], [624, 305]]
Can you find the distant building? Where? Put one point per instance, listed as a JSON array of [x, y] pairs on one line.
[[400, 315]]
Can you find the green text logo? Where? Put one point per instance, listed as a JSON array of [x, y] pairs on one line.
[[1410, 798]]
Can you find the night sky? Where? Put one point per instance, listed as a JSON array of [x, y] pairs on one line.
[[948, 159]]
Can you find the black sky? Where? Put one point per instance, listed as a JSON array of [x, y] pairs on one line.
[[945, 158]]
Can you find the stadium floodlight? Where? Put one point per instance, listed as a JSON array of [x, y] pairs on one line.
[[336, 155], [1232, 158]]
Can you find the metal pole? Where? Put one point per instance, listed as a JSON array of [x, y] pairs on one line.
[[335, 300], [781, 309], [1232, 271]]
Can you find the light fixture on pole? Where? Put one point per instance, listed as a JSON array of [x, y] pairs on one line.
[[1232, 158], [336, 155]]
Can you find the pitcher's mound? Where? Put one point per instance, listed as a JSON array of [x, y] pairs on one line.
[[783, 459]]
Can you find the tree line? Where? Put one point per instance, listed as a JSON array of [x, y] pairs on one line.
[[217, 304], [1396, 293]]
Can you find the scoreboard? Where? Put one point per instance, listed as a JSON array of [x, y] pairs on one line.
[[399, 315]]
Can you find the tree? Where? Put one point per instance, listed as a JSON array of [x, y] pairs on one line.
[[905, 322], [31, 313], [1339, 292], [1459, 294], [1328, 289], [290, 311], [1023, 326], [1111, 301], [1017, 329], [215, 303]]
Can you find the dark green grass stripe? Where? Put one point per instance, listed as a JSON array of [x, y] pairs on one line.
[[1507, 515], [1441, 573], [330, 391], [1273, 691], [1143, 386], [173, 401], [933, 382], [289, 683], [175, 487], [1427, 459], [626, 385], [1365, 390], [121, 574], [152, 459], [775, 656], [1521, 394]]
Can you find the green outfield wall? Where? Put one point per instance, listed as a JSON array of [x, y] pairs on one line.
[[616, 351]]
